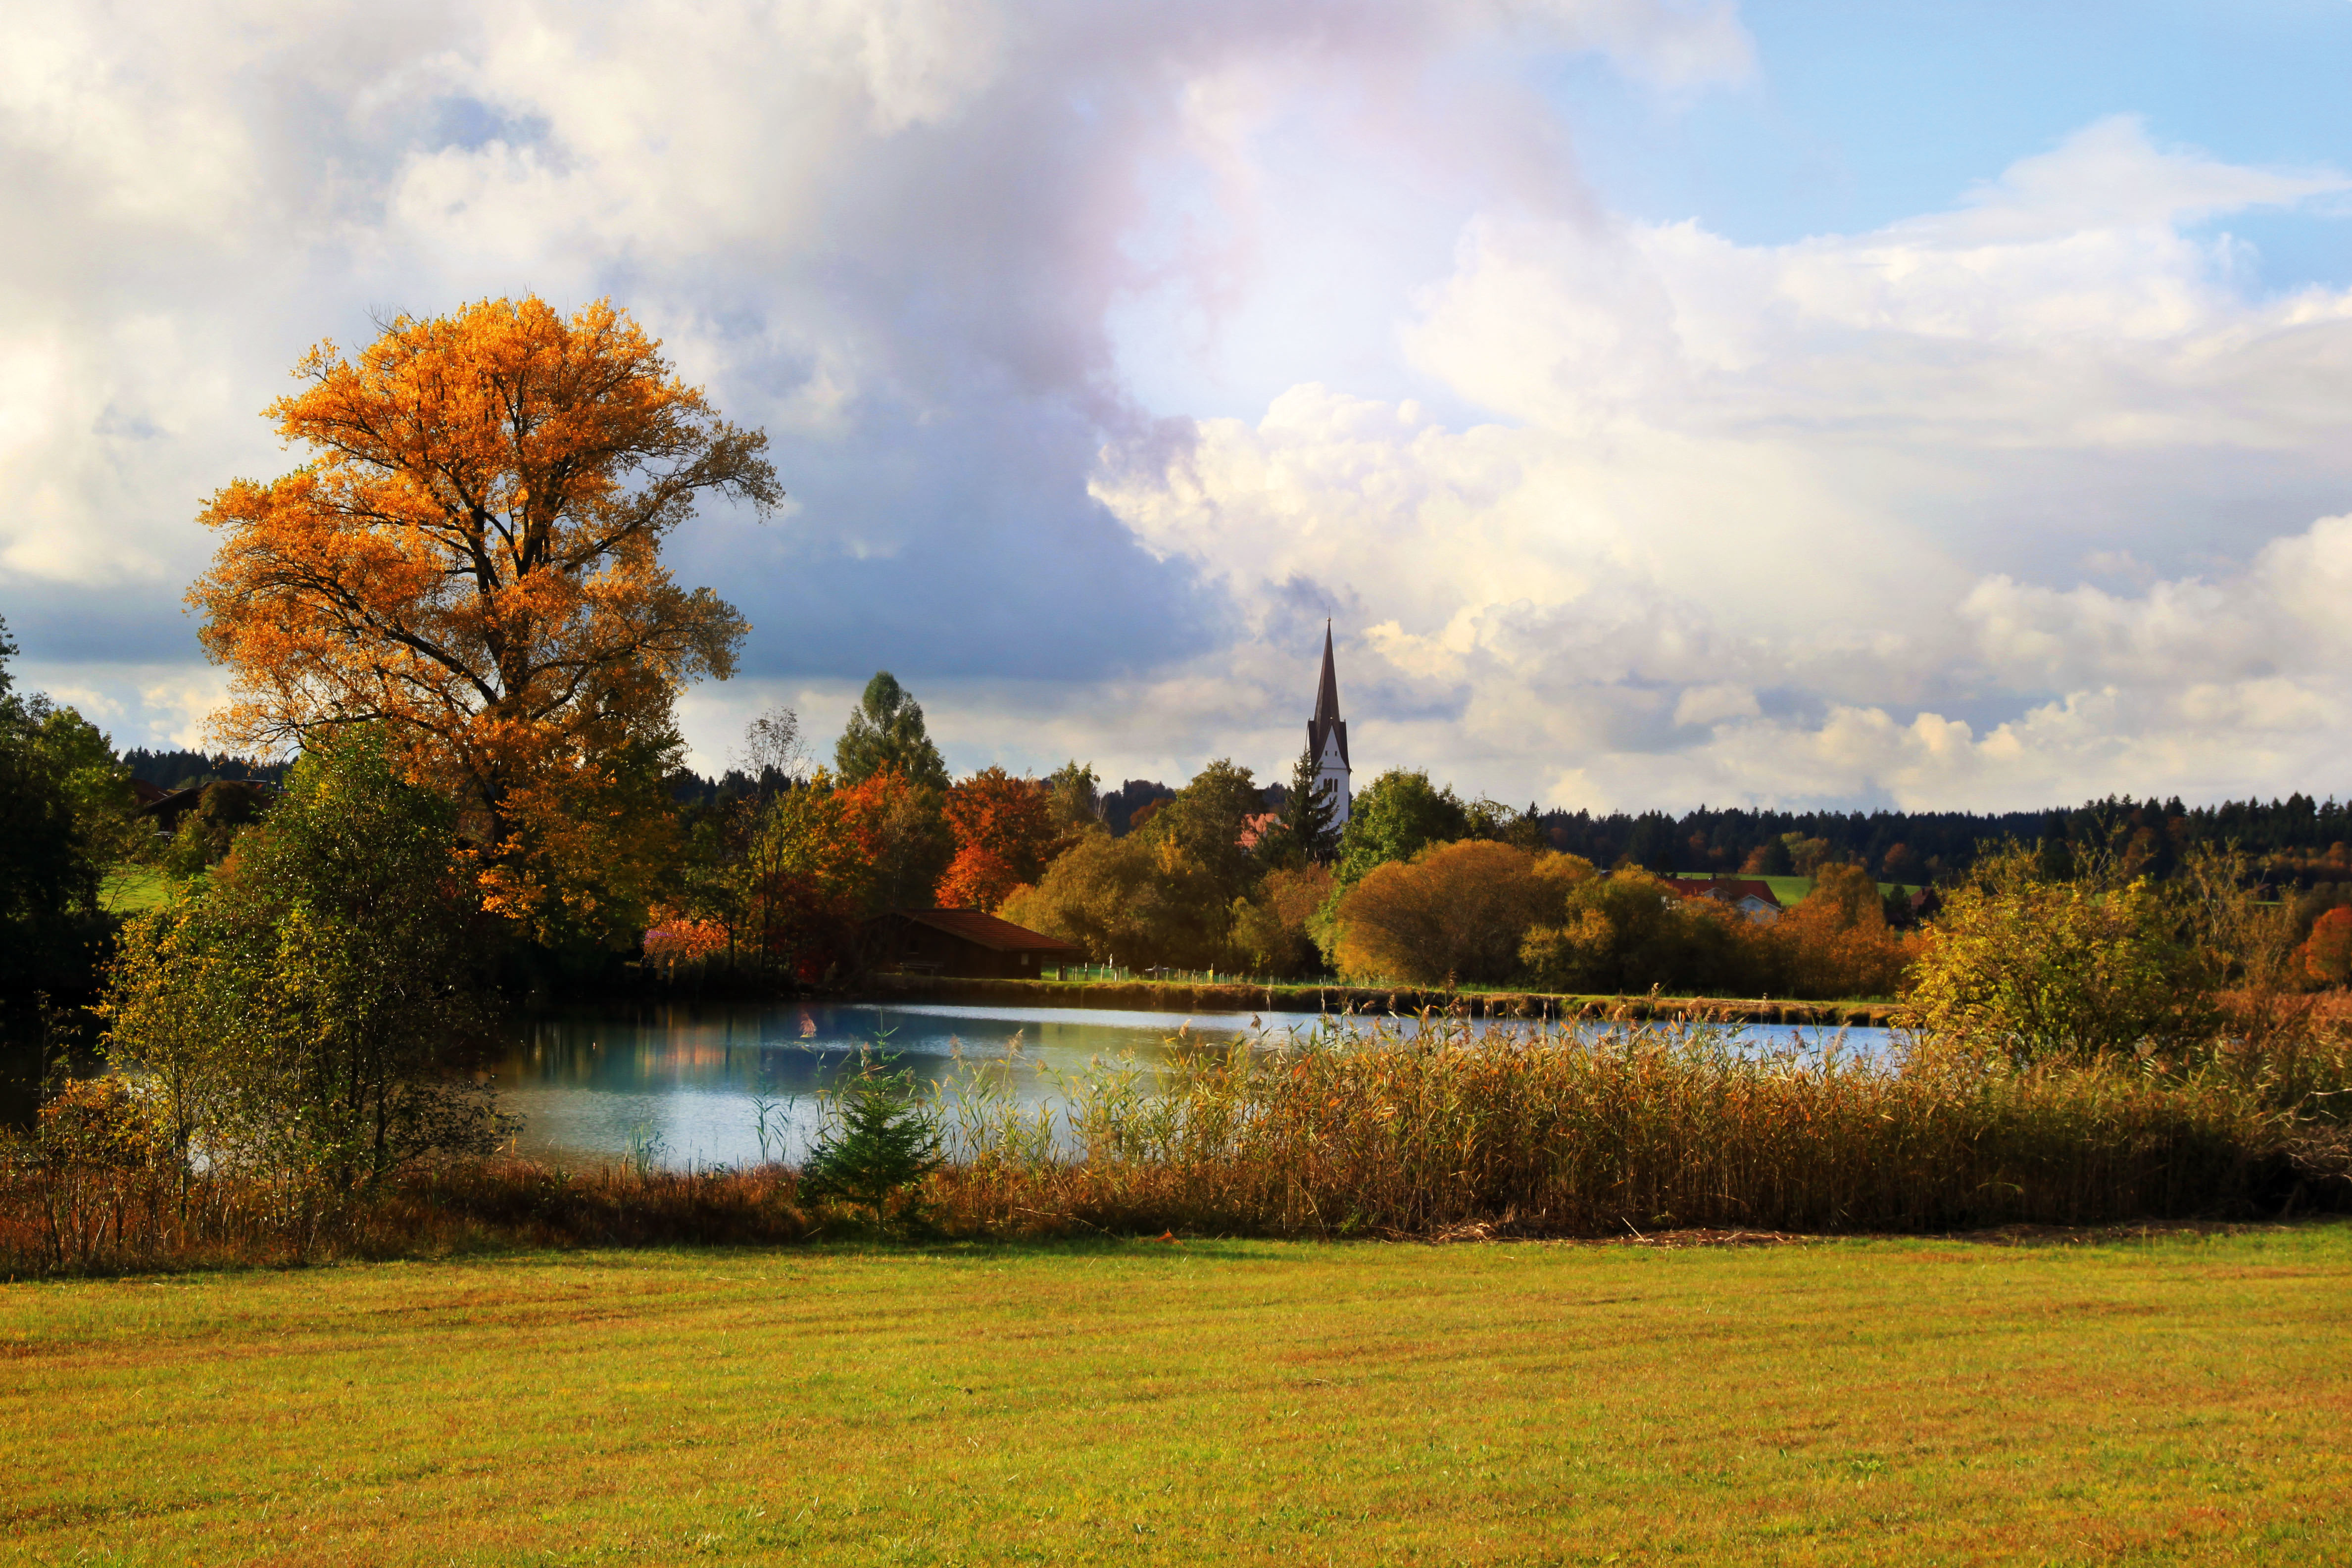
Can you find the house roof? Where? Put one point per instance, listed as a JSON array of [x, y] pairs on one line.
[[1728, 890], [1257, 828], [984, 930]]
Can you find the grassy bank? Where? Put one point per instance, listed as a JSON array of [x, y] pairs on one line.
[[1187, 996], [2183, 1399]]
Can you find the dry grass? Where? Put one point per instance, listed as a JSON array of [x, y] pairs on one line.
[[2185, 1400], [1453, 1131]]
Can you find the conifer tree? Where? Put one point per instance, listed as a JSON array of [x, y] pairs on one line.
[[1308, 812]]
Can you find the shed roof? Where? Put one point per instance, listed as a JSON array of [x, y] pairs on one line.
[[984, 930]]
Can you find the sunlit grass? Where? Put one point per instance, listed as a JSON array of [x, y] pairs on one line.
[[2179, 1399], [129, 888]]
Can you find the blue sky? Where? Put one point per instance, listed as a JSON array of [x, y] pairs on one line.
[[1816, 404]]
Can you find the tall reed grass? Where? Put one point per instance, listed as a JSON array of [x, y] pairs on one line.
[[1447, 1129], [1638, 1127]]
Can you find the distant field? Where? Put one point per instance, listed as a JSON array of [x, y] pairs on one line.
[[128, 888], [1793, 889], [2173, 1400]]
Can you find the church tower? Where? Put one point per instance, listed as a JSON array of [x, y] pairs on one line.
[[1326, 738]]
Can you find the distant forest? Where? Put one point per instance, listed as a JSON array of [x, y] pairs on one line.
[[2296, 842], [178, 770]]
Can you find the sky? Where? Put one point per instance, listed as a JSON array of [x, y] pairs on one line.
[[1665, 402]]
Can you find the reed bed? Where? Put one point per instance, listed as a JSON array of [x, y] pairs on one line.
[[1451, 1129]]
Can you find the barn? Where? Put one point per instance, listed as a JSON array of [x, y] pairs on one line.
[[970, 944]]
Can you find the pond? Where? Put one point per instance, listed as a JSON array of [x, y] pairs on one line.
[[696, 1085]]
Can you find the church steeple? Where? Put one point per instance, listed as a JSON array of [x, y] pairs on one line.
[[1327, 724], [1327, 736]]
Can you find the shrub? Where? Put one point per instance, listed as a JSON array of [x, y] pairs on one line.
[[1628, 931], [1457, 911], [1271, 934], [2023, 965]]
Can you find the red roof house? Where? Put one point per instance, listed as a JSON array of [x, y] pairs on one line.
[[967, 943]]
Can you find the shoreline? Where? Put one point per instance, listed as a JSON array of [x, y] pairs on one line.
[[1183, 996]]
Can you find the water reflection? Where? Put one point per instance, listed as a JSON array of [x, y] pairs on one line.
[[699, 1086]]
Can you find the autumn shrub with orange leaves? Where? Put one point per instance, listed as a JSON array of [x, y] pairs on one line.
[[471, 556]]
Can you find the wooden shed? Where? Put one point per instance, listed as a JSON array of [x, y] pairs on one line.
[[967, 943]]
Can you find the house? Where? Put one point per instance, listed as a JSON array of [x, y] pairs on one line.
[[1753, 899], [1256, 828], [970, 944], [238, 801]]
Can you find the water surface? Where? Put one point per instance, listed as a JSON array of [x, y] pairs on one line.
[[694, 1085]]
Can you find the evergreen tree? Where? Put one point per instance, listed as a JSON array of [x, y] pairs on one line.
[[881, 1145], [886, 729], [1307, 813]]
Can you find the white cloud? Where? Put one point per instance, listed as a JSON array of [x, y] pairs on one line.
[[1721, 520], [1750, 491]]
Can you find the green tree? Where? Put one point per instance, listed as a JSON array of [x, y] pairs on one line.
[[886, 731], [52, 846], [1074, 795], [1395, 819], [205, 835], [1204, 823], [303, 1007], [1627, 932], [877, 1146], [1307, 809]]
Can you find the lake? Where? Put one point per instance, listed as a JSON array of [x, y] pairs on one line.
[[689, 1085]]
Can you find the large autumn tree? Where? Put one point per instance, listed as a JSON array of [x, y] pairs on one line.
[[472, 557]]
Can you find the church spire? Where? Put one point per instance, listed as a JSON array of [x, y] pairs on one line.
[[1327, 724]]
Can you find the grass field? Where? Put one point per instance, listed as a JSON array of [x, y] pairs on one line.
[[130, 888], [2185, 1398]]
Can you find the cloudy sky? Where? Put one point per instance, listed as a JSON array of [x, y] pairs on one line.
[[1667, 401]]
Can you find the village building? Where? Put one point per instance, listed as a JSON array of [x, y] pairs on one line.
[[969, 944], [1326, 738], [1752, 898]]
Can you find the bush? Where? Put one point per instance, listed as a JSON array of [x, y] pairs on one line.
[[1140, 901], [1457, 913], [2021, 965], [1630, 931], [1271, 931]]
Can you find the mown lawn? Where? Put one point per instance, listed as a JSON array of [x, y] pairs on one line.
[[2179, 1399]]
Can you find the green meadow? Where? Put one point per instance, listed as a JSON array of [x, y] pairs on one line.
[[129, 888], [2183, 1397]]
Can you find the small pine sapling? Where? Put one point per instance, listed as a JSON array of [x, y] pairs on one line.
[[879, 1145]]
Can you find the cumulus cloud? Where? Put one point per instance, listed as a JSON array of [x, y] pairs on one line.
[[1108, 350], [1732, 532]]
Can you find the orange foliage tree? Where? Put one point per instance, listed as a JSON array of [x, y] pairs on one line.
[[902, 835], [472, 557], [1837, 941], [1004, 834], [2326, 954]]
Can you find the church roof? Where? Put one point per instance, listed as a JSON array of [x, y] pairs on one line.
[[1326, 719]]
